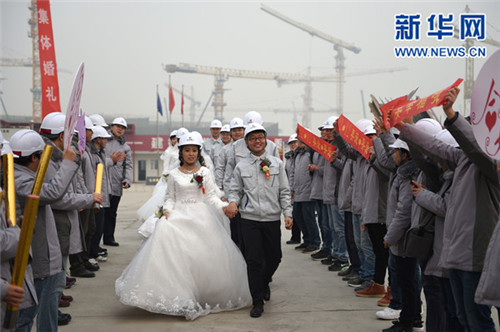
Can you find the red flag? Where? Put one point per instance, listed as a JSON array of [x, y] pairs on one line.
[[314, 142], [182, 102], [354, 136], [171, 101], [48, 67]]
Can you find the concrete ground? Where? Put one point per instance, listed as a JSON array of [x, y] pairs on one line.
[[305, 295]]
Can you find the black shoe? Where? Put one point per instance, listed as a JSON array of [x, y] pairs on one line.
[[257, 310], [112, 244], [320, 255], [63, 319], [345, 272], [267, 294], [351, 276], [355, 282], [91, 267], [398, 327], [292, 241], [301, 247], [328, 261], [337, 266], [84, 273], [310, 250]]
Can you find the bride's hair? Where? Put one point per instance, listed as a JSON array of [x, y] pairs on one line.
[[200, 157]]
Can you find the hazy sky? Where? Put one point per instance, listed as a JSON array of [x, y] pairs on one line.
[[125, 43]]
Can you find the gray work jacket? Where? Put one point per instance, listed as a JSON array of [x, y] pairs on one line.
[[345, 186], [360, 169], [399, 206], [220, 168], [239, 151], [47, 258], [99, 157], [120, 172], [437, 204], [258, 198], [300, 177], [331, 178], [317, 177], [209, 143], [474, 199], [9, 238], [66, 209]]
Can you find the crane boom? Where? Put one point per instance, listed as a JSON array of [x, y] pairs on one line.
[[312, 31]]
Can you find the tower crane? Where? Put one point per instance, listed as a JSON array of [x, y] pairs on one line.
[[222, 75], [338, 46], [469, 61]]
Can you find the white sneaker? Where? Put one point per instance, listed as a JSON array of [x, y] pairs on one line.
[[92, 261], [104, 259], [388, 314]]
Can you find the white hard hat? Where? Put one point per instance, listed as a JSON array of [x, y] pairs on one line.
[[88, 123], [198, 136], [236, 123], [399, 144], [328, 124], [252, 117], [119, 121], [53, 123], [292, 138], [215, 124], [363, 123], [190, 139], [26, 142], [254, 127], [181, 131], [99, 132], [331, 120], [430, 126], [394, 131], [6, 148], [173, 133], [369, 130], [446, 137], [4, 145], [98, 120], [225, 129]]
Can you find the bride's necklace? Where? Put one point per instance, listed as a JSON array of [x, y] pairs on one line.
[[188, 171]]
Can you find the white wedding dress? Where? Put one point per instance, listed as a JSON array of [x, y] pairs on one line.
[[189, 266]]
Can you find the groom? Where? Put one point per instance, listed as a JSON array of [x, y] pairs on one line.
[[259, 187]]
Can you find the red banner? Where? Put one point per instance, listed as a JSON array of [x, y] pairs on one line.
[[48, 67], [354, 136], [316, 143], [413, 107], [389, 107]]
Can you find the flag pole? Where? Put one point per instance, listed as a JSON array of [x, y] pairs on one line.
[[170, 118], [157, 137], [182, 105]]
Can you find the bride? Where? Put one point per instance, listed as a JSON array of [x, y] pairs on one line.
[[189, 266]]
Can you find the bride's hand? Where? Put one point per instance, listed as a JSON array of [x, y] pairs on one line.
[[166, 214]]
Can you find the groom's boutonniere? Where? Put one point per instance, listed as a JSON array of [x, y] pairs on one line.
[[198, 178], [264, 167]]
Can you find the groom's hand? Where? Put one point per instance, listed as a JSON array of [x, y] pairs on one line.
[[231, 210]]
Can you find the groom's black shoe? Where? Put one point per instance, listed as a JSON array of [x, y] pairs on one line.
[[257, 310], [267, 293]]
